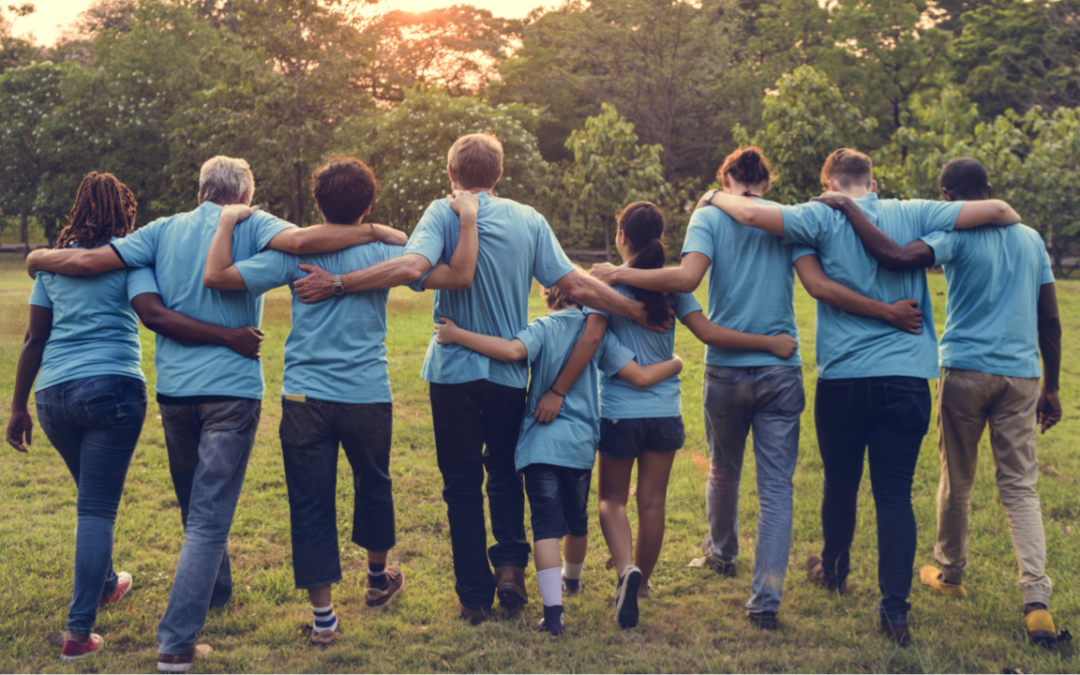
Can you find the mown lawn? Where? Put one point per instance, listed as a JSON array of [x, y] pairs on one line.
[[694, 622]]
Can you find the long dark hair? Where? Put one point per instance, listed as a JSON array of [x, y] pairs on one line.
[[642, 223], [104, 208]]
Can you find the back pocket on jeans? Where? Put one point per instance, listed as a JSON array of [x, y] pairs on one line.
[[908, 408]]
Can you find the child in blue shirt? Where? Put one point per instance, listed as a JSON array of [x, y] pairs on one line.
[[557, 457]]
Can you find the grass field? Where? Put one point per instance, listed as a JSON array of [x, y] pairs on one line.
[[693, 623]]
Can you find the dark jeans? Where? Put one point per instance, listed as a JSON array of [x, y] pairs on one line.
[[209, 446], [886, 418], [310, 434], [94, 423], [558, 500], [467, 417]]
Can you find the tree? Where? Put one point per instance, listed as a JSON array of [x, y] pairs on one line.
[[802, 123], [611, 170], [16, 51], [407, 146]]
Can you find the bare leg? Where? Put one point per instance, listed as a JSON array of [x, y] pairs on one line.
[[654, 470], [379, 558], [614, 491], [320, 597], [575, 548], [546, 554]]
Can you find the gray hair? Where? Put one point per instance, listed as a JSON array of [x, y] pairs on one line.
[[225, 179]]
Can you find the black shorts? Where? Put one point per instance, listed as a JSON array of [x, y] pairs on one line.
[[625, 439], [558, 499]]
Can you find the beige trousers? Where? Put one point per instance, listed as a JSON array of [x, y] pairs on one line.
[[967, 401]]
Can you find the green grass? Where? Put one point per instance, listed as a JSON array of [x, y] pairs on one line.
[[694, 622]]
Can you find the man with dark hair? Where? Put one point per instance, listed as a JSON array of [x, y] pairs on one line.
[[210, 396], [335, 389], [872, 397], [1001, 313], [477, 401]]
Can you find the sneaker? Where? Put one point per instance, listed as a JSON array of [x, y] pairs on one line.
[[73, 650], [626, 597], [324, 638], [572, 586], [181, 663], [123, 585], [554, 621], [473, 616], [815, 572], [382, 597], [764, 620], [724, 569], [898, 633], [935, 579]]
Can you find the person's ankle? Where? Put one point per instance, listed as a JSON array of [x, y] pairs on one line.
[[1030, 607]]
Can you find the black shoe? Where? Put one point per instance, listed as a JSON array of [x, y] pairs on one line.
[[898, 633], [572, 586], [724, 569], [626, 597], [764, 620], [554, 621]]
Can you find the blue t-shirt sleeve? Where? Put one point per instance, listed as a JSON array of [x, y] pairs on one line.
[[265, 227], [805, 223], [590, 310], [139, 248], [701, 233], [551, 263], [945, 246], [142, 280], [429, 239], [933, 215], [38, 295], [613, 355], [268, 270], [532, 336], [685, 303], [800, 250]]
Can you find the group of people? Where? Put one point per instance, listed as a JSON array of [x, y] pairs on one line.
[[531, 405]]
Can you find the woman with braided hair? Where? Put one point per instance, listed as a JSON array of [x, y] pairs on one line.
[[83, 348]]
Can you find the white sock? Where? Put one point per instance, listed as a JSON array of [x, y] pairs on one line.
[[572, 570], [550, 586], [325, 618]]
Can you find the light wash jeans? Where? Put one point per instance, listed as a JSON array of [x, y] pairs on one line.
[[769, 400], [209, 445]]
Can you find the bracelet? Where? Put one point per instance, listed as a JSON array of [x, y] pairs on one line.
[[552, 390]]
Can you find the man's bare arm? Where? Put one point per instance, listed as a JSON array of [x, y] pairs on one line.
[[73, 262], [682, 279], [221, 273], [903, 314], [985, 212], [589, 292], [319, 284], [458, 275], [783, 345], [1048, 406], [327, 238], [880, 246], [749, 211], [449, 333]]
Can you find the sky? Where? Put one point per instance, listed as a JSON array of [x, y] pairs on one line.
[[52, 16]]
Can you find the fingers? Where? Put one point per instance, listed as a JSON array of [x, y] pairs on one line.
[[309, 268]]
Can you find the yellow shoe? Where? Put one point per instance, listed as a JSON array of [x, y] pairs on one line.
[[1040, 627], [932, 577]]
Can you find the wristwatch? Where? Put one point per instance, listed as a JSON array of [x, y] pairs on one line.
[[339, 288], [707, 197]]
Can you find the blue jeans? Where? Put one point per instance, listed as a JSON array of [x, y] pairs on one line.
[[769, 400], [209, 445], [884, 418], [94, 423], [558, 500]]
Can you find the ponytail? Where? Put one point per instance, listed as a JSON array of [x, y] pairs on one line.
[[642, 223]]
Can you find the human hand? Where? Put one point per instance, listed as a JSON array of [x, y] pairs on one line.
[[1048, 409], [547, 409], [20, 426], [834, 200], [604, 273], [232, 214], [446, 331], [247, 341], [906, 316], [679, 362], [783, 346], [642, 317], [317, 286], [389, 235], [464, 202]]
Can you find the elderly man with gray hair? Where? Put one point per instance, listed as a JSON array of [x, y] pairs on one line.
[[210, 396]]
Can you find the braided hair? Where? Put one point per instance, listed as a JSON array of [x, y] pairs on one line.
[[104, 208], [642, 223]]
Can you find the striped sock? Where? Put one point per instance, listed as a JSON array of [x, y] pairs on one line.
[[325, 619], [376, 575]]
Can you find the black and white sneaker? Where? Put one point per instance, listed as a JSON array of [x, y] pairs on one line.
[[626, 597], [554, 620]]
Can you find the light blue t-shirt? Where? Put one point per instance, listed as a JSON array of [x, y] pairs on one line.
[[621, 400], [751, 284], [336, 349], [516, 246], [994, 276], [853, 346], [177, 246], [570, 439], [94, 329]]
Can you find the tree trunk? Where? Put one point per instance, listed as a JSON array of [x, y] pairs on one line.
[[298, 198], [24, 232], [607, 241]]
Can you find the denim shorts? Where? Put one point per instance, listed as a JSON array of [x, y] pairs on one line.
[[625, 439], [558, 499]]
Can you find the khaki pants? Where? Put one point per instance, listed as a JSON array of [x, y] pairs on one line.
[[967, 400]]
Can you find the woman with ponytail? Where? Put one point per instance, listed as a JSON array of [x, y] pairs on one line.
[[83, 349], [644, 425]]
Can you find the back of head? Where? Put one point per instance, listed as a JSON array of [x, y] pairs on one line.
[[344, 189], [225, 180], [642, 224], [477, 161], [104, 208], [848, 168], [556, 299], [964, 178], [747, 166]]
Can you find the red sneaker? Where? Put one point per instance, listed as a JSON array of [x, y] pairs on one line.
[[74, 650], [123, 585]]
